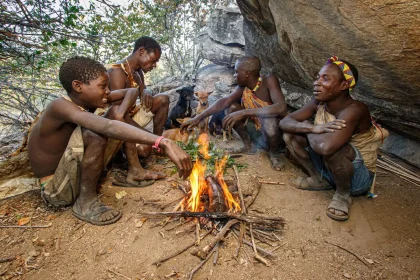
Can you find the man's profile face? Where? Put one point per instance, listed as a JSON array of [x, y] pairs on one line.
[[240, 74], [148, 60], [328, 83]]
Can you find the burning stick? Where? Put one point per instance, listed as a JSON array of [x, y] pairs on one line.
[[203, 252]]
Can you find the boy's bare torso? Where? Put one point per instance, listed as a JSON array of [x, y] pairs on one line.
[[48, 140]]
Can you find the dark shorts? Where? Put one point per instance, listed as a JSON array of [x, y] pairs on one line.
[[362, 179], [256, 136]]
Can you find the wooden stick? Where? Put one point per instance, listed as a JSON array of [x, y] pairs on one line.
[[350, 252], [397, 165], [275, 222], [241, 197], [259, 249], [203, 252], [169, 203], [216, 254], [180, 251], [254, 195], [7, 259], [399, 171], [46, 226], [119, 274], [256, 255], [201, 264], [243, 211], [270, 182]]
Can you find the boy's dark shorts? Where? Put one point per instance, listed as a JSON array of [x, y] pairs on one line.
[[362, 179]]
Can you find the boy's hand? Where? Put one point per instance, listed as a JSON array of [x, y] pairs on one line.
[[190, 123], [146, 99], [177, 155], [328, 127]]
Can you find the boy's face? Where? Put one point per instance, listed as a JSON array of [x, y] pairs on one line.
[[95, 94], [240, 74], [148, 60], [329, 83]]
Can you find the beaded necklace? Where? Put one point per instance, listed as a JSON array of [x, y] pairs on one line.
[[258, 85]]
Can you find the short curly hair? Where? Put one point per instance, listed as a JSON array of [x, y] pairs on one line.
[[148, 43], [250, 63], [79, 68]]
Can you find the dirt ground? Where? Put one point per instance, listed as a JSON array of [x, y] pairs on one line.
[[384, 232]]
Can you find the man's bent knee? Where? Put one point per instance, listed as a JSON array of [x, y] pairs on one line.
[[161, 100], [234, 107]]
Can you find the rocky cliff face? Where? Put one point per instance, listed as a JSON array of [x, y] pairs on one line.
[[223, 42], [382, 38]]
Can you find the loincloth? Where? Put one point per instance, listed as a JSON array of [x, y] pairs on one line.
[[63, 187]]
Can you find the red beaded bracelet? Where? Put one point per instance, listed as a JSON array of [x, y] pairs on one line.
[[156, 145]]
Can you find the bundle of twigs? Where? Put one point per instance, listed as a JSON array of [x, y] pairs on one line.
[[247, 228], [399, 170]]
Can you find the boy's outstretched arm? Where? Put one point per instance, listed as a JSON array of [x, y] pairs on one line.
[[64, 111]]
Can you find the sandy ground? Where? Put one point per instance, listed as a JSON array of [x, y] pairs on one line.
[[384, 232]]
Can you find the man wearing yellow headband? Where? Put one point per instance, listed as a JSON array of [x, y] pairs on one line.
[[339, 148]]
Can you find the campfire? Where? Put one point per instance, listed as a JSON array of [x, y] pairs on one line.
[[212, 205], [214, 187]]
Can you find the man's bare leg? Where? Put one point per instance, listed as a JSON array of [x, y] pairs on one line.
[[273, 137], [341, 166], [160, 110], [90, 172], [135, 171], [239, 127], [296, 144]]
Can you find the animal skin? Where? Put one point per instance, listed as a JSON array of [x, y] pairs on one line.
[[203, 104], [182, 108]]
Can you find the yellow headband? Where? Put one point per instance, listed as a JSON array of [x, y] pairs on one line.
[[348, 75]]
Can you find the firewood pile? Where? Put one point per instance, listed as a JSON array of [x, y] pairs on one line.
[[216, 208]]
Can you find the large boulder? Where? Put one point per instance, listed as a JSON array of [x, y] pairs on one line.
[[293, 39], [222, 42]]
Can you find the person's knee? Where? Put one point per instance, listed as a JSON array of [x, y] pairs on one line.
[[345, 153], [94, 141], [144, 151], [271, 127], [161, 100], [288, 138], [234, 107]]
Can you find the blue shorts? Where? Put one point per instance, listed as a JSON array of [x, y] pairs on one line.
[[362, 179]]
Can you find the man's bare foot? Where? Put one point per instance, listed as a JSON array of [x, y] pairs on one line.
[[339, 207], [276, 162], [140, 175], [249, 150], [95, 212]]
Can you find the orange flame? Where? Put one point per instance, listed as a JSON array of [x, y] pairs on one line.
[[203, 141], [229, 200], [198, 186]]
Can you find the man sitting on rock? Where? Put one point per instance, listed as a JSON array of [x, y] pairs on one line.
[[128, 73], [254, 110], [339, 149]]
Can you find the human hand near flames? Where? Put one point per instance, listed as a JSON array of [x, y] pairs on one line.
[[230, 119], [187, 125], [177, 155]]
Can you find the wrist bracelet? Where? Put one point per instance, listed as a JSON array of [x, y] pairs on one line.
[[157, 142]]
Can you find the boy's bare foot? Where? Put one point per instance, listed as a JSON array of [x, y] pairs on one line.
[[95, 212]]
